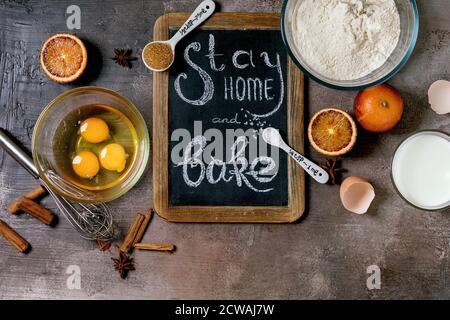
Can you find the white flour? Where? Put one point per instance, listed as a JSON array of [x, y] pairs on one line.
[[346, 39]]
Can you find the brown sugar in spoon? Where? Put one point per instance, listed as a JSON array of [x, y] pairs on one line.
[[159, 55]]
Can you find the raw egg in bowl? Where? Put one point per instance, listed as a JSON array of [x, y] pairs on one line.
[[91, 145]]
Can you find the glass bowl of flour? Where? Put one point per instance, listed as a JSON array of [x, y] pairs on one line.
[[351, 44]]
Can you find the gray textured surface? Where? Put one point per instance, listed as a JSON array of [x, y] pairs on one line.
[[324, 256]]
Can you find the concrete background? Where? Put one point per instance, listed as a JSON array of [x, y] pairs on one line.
[[324, 256]]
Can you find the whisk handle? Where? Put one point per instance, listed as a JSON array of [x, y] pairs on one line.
[[18, 154]]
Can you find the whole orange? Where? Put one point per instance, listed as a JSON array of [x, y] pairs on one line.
[[378, 109]]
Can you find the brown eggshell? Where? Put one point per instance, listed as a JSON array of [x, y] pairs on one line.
[[356, 194]]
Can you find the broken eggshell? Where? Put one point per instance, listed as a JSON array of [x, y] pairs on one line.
[[356, 194], [439, 96]]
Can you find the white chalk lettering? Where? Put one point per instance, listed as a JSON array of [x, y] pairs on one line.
[[241, 172], [228, 88], [267, 88], [245, 65], [211, 55], [194, 161], [208, 91], [265, 55], [250, 89], [233, 120], [240, 93], [236, 88], [257, 89]]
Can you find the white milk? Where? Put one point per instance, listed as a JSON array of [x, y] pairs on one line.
[[421, 170]]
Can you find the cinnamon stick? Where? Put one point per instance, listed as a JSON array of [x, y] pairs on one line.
[[13, 237], [37, 211], [132, 232], [34, 194], [155, 246], [143, 227]]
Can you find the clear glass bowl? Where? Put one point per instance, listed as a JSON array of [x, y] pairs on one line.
[[45, 149], [409, 24]]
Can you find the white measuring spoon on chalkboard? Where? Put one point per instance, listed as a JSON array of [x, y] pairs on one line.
[[273, 137], [200, 14]]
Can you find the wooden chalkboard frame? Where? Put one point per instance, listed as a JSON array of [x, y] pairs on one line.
[[248, 214]]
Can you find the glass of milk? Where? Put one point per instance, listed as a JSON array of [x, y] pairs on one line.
[[420, 170]]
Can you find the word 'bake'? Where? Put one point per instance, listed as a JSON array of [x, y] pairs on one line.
[[238, 168]]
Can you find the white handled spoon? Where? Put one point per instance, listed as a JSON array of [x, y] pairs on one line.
[[200, 14], [273, 137]]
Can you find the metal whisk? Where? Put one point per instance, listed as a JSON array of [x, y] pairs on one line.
[[93, 222]]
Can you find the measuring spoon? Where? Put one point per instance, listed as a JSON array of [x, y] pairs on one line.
[[273, 137], [200, 14]]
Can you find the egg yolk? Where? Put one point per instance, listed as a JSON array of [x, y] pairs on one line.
[[94, 130], [113, 157], [85, 164]]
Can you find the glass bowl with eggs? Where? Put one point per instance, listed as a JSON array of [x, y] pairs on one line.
[[90, 145], [350, 45]]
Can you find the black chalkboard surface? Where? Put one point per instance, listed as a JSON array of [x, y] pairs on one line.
[[223, 81], [231, 78]]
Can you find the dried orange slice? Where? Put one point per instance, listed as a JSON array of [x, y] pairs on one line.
[[332, 132], [63, 57]]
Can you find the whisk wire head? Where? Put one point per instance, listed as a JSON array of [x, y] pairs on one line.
[[92, 221]]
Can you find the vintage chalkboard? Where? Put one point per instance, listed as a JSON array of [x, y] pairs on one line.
[[230, 79], [253, 84]]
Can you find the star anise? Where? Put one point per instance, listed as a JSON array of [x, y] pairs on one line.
[[123, 57], [123, 264], [333, 170]]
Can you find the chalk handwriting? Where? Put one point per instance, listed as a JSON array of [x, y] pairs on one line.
[[241, 171], [233, 120], [236, 55], [208, 91], [250, 89], [236, 88], [211, 55], [280, 73], [219, 143]]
